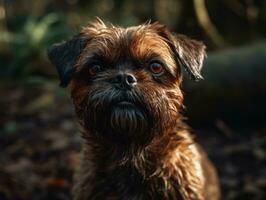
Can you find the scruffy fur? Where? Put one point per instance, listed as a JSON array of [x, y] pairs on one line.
[[140, 149]]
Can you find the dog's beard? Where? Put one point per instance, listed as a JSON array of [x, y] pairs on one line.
[[128, 118], [125, 117]]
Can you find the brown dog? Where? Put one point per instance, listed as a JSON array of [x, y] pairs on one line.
[[125, 87]]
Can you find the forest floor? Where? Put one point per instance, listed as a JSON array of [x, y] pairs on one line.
[[40, 143]]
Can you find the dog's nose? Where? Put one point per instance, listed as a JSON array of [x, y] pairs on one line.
[[125, 80]]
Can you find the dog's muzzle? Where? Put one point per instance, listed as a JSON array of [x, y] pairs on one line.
[[118, 113]]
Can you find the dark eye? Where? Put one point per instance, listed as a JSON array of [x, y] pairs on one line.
[[94, 69], [156, 68]]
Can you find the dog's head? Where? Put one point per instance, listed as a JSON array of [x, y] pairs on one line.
[[125, 81]]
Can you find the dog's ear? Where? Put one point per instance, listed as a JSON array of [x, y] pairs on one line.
[[64, 56], [189, 53]]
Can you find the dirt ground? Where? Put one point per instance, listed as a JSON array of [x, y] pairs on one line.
[[39, 148]]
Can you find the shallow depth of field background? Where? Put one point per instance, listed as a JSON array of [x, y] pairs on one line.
[[39, 140]]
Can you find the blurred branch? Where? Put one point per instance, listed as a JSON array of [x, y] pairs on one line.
[[169, 12], [252, 12], [2, 16], [3, 28], [236, 7], [206, 24]]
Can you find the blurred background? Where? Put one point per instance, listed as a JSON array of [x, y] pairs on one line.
[[39, 140]]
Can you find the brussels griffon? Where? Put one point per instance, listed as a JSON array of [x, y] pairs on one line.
[[125, 86]]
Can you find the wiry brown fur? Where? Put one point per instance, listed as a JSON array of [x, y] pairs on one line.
[[159, 160]]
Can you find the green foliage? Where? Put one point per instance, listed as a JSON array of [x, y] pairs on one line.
[[27, 46], [10, 127]]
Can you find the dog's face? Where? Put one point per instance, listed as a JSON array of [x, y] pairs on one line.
[[125, 81]]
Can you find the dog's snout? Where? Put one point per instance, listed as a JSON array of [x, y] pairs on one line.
[[125, 80]]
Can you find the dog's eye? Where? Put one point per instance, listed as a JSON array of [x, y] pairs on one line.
[[94, 69], [156, 68]]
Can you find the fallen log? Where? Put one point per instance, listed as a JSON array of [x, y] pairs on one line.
[[233, 89]]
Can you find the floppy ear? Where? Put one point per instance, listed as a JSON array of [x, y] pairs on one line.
[[64, 56], [190, 54]]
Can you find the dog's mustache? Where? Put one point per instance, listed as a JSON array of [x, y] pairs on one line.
[[103, 97]]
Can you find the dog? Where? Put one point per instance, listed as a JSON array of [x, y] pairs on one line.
[[125, 87]]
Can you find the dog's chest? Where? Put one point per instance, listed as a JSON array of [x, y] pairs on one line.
[[129, 184], [175, 179]]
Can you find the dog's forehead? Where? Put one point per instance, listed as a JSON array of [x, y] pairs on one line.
[[135, 42]]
